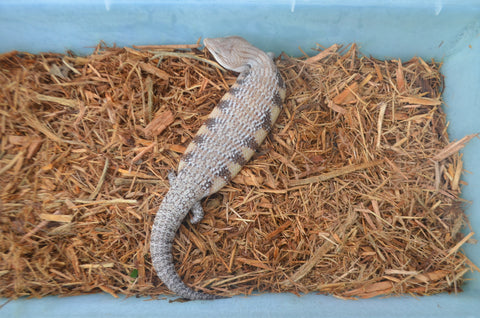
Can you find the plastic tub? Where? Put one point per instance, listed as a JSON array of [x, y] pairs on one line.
[[448, 31]]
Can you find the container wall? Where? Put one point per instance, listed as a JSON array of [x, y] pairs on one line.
[[448, 31]]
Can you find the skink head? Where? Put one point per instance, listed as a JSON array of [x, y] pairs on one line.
[[235, 53]]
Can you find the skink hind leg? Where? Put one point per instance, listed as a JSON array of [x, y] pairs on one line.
[[196, 209], [172, 176], [197, 212]]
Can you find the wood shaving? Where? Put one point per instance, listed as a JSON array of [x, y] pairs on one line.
[[355, 193]]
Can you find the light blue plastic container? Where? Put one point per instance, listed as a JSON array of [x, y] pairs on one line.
[[448, 31]]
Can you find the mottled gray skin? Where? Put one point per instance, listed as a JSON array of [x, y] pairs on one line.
[[227, 140]]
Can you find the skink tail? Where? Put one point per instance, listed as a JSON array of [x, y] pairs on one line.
[[170, 215]]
